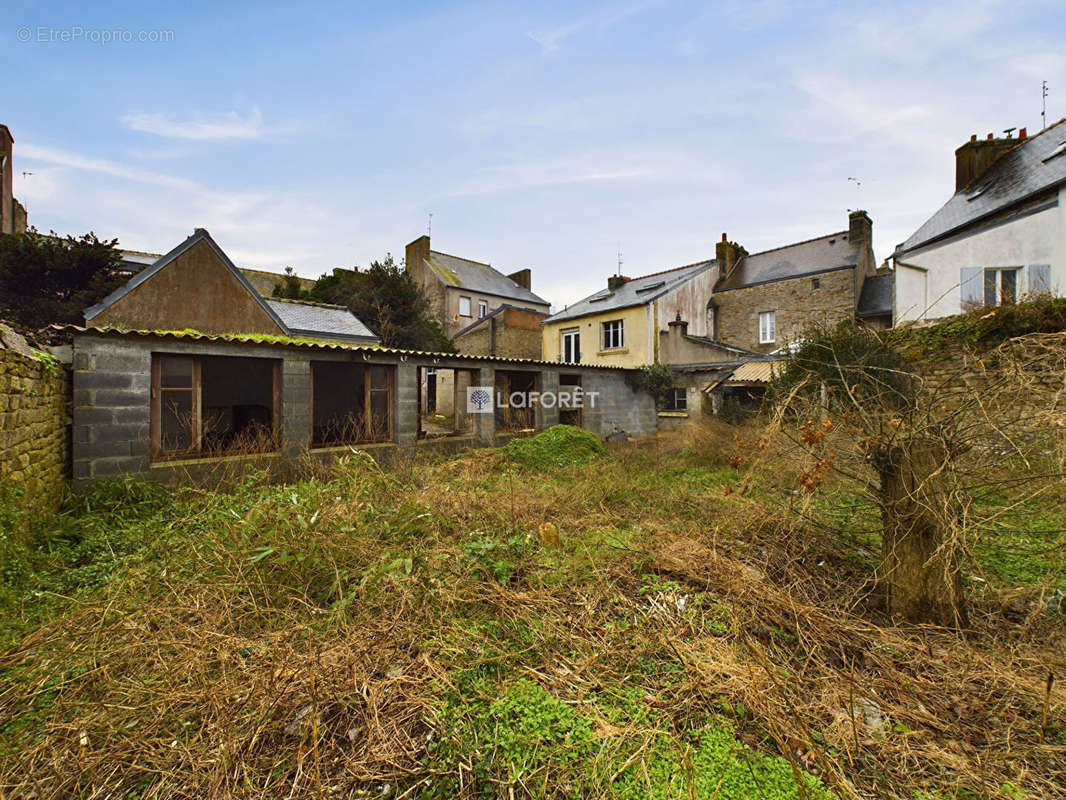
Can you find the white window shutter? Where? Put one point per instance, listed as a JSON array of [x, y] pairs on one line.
[[972, 287], [1039, 278]]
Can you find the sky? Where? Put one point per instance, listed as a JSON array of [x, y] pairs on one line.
[[549, 135]]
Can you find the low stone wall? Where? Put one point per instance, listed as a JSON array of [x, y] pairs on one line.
[[34, 423]]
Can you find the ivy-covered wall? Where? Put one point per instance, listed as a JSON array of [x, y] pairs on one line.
[[34, 424]]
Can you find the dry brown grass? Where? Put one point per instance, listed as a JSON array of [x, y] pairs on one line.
[[228, 677]]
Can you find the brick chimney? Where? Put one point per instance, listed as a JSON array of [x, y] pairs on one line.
[[524, 278], [615, 281], [860, 227], [974, 158], [728, 254], [7, 202]]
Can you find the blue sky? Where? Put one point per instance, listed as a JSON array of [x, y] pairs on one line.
[[537, 134]]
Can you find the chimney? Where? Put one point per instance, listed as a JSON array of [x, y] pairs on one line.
[[974, 158], [7, 202], [728, 254], [416, 254], [616, 281], [524, 278], [860, 228]]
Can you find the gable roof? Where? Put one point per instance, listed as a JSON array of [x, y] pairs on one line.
[[305, 318], [333, 323], [1034, 165], [477, 277], [493, 313], [823, 254], [636, 292]]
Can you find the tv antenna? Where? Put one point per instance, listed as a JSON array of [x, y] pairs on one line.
[[26, 174], [429, 227], [619, 259], [1043, 107]]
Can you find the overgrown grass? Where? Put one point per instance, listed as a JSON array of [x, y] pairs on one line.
[[414, 631]]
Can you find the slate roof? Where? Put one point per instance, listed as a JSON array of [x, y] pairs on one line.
[[875, 300], [319, 319], [823, 254], [477, 277], [636, 292], [1034, 165]]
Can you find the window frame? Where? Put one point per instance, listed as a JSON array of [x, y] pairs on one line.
[[997, 274], [390, 393], [672, 404], [570, 333], [615, 331], [482, 309], [156, 453], [468, 313], [769, 335]]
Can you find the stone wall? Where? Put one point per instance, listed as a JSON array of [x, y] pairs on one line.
[[797, 303], [34, 423], [508, 333]]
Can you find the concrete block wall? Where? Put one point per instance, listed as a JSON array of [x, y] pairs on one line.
[[112, 401], [111, 409], [34, 428]]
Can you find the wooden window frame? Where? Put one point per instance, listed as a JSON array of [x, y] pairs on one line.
[[155, 448], [771, 328], [390, 389]]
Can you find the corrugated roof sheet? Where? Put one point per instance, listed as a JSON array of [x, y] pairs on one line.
[[825, 253], [1028, 169], [303, 317], [876, 296], [754, 372], [636, 292], [478, 277], [306, 344]]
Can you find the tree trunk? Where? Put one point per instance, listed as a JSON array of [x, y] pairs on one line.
[[920, 560]]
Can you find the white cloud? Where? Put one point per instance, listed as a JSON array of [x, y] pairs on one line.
[[602, 19], [227, 126], [67, 158]]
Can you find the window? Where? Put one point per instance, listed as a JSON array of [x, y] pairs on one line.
[[613, 335], [482, 308], [994, 286], [214, 406], [676, 400], [570, 350], [464, 306], [712, 321], [350, 403], [816, 283], [570, 400], [767, 327]]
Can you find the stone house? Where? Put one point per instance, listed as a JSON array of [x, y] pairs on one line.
[[196, 287], [462, 291], [482, 310], [1000, 236]]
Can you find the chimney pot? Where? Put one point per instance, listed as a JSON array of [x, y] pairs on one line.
[[724, 239], [974, 158], [1022, 134], [973, 137], [990, 137]]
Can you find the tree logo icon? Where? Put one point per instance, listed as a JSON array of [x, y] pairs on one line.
[[479, 400]]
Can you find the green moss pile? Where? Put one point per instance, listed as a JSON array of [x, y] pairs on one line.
[[558, 447]]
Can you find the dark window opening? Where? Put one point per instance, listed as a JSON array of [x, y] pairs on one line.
[[816, 283], [676, 400], [442, 402], [205, 406], [570, 401], [350, 403], [514, 399]]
